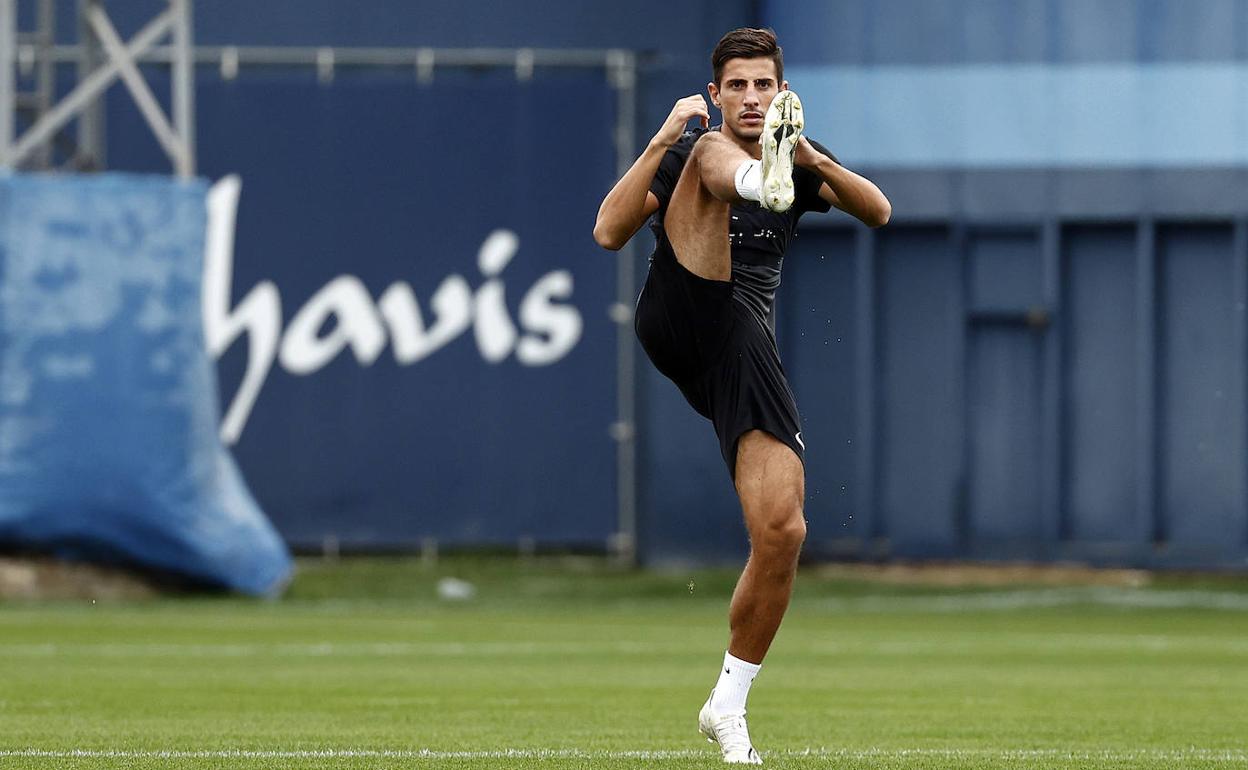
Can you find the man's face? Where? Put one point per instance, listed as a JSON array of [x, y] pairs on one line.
[[744, 92]]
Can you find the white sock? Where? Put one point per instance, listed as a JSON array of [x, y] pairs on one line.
[[733, 686], [749, 180]]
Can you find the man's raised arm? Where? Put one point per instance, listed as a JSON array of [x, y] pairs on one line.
[[854, 194], [630, 202]]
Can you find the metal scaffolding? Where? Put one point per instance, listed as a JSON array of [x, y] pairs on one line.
[[102, 58]]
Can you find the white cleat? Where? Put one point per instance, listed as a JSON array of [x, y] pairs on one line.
[[781, 130], [731, 734]]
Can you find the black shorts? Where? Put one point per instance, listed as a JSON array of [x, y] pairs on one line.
[[719, 353]]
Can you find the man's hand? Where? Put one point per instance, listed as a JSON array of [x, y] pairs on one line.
[[682, 112], [626, 207]]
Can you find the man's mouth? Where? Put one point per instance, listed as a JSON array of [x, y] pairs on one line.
[[751, 118]]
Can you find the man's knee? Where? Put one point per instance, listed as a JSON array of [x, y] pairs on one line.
[[770, 484], [710, 142], [697, 188], [776, 525], [781, 531], [715, 159]]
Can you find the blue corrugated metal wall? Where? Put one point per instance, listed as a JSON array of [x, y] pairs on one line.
[[1048, 343], [1044, 390], [920, 32]]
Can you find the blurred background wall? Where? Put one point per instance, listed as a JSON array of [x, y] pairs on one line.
[[1044, 356]]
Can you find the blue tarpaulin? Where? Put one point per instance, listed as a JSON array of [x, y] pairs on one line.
[[109, 416]]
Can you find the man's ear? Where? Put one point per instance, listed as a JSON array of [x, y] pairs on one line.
[[713, 90], [784, 85]]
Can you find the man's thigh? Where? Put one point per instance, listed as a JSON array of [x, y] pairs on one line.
[[770, 479]]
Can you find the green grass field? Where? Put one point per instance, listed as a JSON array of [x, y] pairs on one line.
[[561, 665]]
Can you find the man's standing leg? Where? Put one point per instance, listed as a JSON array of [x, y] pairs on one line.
[[771, 486]]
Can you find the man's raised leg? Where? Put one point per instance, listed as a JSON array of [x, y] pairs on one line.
[[697, 215], [719, 173]]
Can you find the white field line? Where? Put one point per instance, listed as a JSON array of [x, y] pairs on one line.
[[961, 601], [1068, 642], [322, 649], [1165, 755], [1053, 597]]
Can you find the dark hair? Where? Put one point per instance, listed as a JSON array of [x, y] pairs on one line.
[[747, 43]]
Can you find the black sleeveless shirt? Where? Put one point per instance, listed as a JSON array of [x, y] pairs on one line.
[[758, 237]]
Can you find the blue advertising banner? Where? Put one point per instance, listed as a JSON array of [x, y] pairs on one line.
[[410, 310]]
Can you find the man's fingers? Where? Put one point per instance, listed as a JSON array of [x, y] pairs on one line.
[[686, 109], [704, 115], [696, 108], [695, 102], [685, 117], [686, 102]]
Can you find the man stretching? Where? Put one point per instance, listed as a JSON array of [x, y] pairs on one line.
[[725, 203]]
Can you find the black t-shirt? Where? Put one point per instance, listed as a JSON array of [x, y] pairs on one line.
[[758, 237]]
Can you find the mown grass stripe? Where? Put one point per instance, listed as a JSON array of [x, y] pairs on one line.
[[1216, 755]]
